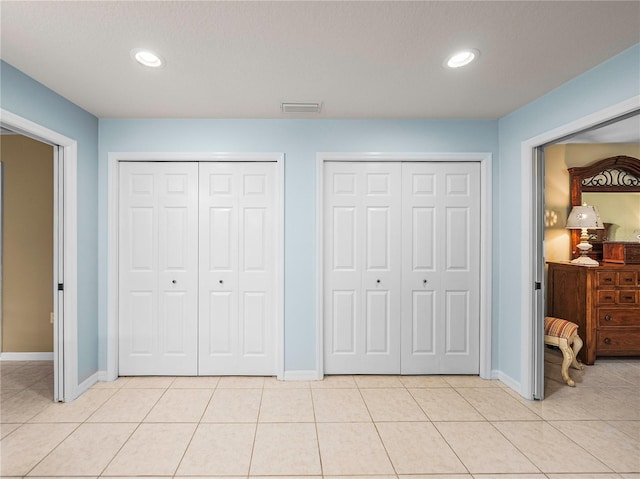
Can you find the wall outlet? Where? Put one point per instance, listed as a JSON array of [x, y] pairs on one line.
[[51, 318]]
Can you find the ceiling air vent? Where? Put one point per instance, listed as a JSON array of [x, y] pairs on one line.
[[296, 107]]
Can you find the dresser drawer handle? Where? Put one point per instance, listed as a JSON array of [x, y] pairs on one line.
[[608, 317], [627, 280], [628, 298], [607, 341], [607, 280], [608, 297]]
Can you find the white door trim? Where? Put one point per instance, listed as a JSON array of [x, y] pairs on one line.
[[527, 372], [1, 246], [485, 239], [112, 241], [66, 374]]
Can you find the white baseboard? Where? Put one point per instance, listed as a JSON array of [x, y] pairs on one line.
[[508, 380], [26, 356], [310, 375]]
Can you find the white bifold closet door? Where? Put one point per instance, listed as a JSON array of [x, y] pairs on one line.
[[158, 268], [401, 268], [440, 268], [197, 246], [237, 268], [362, 238]]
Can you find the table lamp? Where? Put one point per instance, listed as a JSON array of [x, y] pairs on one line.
[[584, 218]]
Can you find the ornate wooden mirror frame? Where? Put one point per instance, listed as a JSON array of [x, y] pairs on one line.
[[618, 174]]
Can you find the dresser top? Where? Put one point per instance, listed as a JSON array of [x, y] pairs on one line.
[[603, 265]]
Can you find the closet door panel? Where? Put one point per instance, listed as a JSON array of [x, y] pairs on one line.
[[457, 322], [138, 325], [256, 207], [158, 264], [221, 247], [218, 307], [378, 325], [253, 320], [343, 322], [423, 238], [423, 324], [218, 334], [441, 215], [362, 267], [237, 244], [342, 237]]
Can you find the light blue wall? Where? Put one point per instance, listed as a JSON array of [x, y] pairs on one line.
[[299, 140], [29, 99], [609, 83]]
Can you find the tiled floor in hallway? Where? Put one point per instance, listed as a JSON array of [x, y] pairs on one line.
[[405, 427]]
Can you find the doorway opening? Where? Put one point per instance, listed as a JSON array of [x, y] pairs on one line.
[[533, 234], [26, 316], [63, 280]]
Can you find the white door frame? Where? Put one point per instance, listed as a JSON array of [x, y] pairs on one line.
[[527, 281], [65, 347], [112, 248], [1, 242], [484, 237]]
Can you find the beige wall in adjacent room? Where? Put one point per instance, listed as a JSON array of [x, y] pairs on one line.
[[27, 242], [557, 198]]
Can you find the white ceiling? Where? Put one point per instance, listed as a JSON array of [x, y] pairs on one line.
[[623, 131], [380, 59]]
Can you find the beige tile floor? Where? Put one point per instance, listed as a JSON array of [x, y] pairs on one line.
[[369, 427]]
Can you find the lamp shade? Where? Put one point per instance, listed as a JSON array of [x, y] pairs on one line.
[[585, 216]]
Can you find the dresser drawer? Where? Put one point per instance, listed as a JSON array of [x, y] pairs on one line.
[[625, 297], [621, 278], [628, 278], [618, 317], [628, 297], [618, 342], [606, 278], [607, 297]]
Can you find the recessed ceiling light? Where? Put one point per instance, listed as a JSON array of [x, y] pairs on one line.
[[147, 58], [462, 58]]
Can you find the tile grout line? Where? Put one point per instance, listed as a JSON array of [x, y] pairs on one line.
[[416, 402], [135, 429], [516, 447], [54, 448], [315, 426], [375, 426], [255, 432], [623, 432], [581, 446], [79, 424], [470, 404], [540, 419], [438, 430], [195, 430]]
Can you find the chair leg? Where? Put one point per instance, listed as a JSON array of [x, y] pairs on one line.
[[577, 346], [568, 358]]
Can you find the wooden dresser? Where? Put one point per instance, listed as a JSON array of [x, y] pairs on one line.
[[604, 301]]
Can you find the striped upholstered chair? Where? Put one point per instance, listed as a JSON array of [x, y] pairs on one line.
[[564, 334]]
